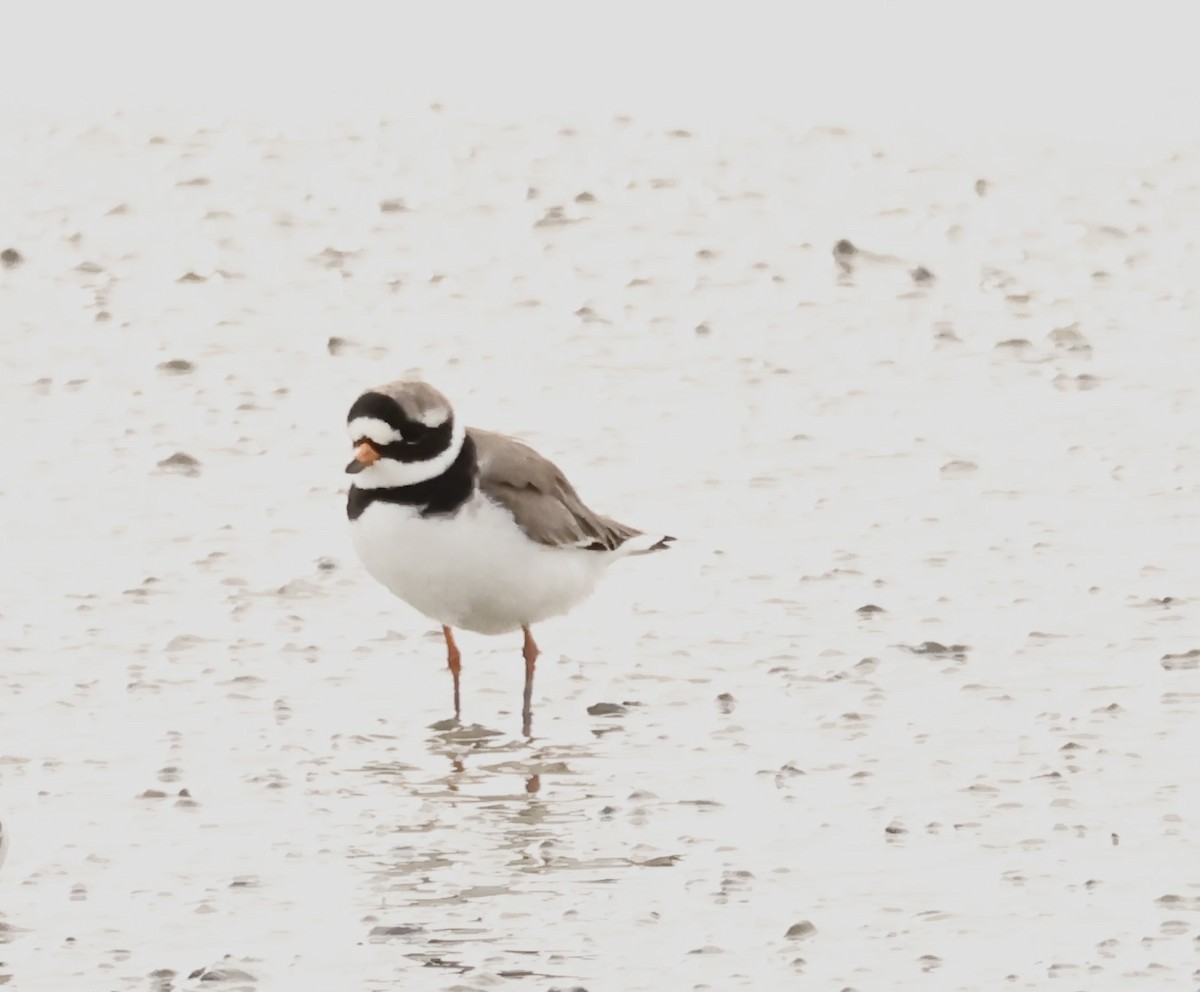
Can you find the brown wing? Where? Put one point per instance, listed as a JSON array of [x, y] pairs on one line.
[[538, 495]]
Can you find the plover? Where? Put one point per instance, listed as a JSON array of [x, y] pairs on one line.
[[473, 529]]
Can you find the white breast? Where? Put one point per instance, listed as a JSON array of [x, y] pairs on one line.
[[475, 570]]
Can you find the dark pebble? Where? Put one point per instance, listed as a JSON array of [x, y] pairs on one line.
[[801, 930], [921, 274], [10, 258], [1181, 662], [396, 931], [396, 206], [869, 609], [227, 975], [176, 366], [181, 463], [936, 649], [726, 703], [606, 709], [844, 247]]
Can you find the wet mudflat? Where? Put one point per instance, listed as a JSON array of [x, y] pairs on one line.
[[910, 705]]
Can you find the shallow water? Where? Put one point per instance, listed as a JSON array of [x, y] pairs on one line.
[[222, 766]]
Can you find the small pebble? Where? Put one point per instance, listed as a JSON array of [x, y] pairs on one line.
[[176, 366], [181, 463], [606, 709], [1181, 662]]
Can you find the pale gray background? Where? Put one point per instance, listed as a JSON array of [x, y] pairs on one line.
[[206, 185]]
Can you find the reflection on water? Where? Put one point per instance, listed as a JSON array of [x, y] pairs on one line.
[[919, 662]]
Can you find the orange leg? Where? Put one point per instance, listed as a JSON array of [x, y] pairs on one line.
[[530, 652], [454, 663]]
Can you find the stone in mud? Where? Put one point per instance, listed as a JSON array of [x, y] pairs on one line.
[[176, 366], [869, 609], [921, 275], [181, 463], [1181, 662], [394, 931], [844, 249], [958, 468], [10, 258], [606, 709], [939, 650], [555, 217], [1069, 338], [665, 861], [191, 276], [726, 703], [392, 206], [224, 975], [800, 931]]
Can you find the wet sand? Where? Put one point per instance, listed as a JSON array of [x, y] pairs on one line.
[[897, 710]]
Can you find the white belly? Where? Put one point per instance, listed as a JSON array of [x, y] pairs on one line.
[[475, 570]]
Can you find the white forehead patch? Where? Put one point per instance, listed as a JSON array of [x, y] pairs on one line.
[[374, 430]]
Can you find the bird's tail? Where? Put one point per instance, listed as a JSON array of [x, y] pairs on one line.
[[644, 544]]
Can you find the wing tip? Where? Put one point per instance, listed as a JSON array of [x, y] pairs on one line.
[[644, 544]]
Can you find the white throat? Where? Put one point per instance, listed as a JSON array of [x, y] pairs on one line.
[[388, 473]]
